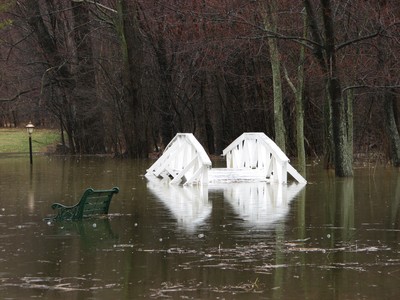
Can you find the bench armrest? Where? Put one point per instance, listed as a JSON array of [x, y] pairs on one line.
[[60, 206]]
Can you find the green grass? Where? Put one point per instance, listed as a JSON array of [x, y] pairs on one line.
[[16, 140]]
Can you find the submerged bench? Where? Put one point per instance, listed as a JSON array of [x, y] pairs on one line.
[[92, 203]]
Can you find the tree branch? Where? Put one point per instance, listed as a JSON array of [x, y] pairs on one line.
[[359, 39], [289, 81], [16, 96], [366, 86]]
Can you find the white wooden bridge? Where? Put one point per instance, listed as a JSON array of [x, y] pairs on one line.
[[252, 157]]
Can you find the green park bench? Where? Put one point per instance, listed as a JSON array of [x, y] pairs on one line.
[[92, 203]]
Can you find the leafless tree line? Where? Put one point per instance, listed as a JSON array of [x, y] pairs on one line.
[[321, 77]]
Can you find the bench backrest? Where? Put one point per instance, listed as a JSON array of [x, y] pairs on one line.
[[95, 202]]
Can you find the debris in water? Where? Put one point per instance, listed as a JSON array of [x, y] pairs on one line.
[[123, 246]]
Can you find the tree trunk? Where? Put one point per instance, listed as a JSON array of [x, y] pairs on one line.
[[301, 153], [343, 161], [270, 23], [389, 105], [349, 122], [89, 130], [329, 145], [391, 127], [218, 113], [167, 131], [200, 110], [136, 126], [325, 54], [343, 158], [58, 72]]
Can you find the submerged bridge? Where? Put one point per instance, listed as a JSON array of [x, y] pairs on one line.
[[252, 157]]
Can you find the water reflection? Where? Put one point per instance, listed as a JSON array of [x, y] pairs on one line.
[[31, 193], [258, 204], [91, 232], [345, 198], [394, 207], [188, 204]]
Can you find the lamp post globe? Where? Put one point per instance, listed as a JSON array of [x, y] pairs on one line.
[[29, 129]]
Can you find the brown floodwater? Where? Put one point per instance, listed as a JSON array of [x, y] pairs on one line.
[[331, 239]]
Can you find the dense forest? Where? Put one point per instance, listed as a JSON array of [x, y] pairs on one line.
[[320, 77]]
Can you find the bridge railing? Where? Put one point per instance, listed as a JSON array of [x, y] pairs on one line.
[[184, 161], [255, 150], [252, 156]]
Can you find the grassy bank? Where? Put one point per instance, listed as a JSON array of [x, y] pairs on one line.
[[15, 140]]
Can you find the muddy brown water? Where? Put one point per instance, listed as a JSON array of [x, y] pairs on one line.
[[331, 239]]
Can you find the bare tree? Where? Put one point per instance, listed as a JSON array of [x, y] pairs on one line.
[[89, 137], [271, 25], [132, 48]]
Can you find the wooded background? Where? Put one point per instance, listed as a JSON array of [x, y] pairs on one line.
[[320, 77]]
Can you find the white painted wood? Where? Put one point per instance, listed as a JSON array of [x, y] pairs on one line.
[[177, 179], [296, 175], [255, 150], [252, 157], [184, 159], [226, 175]]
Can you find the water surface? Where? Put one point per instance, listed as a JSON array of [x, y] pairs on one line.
[[331, 239]]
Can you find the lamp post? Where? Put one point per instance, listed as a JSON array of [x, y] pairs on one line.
[[29, 129]]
